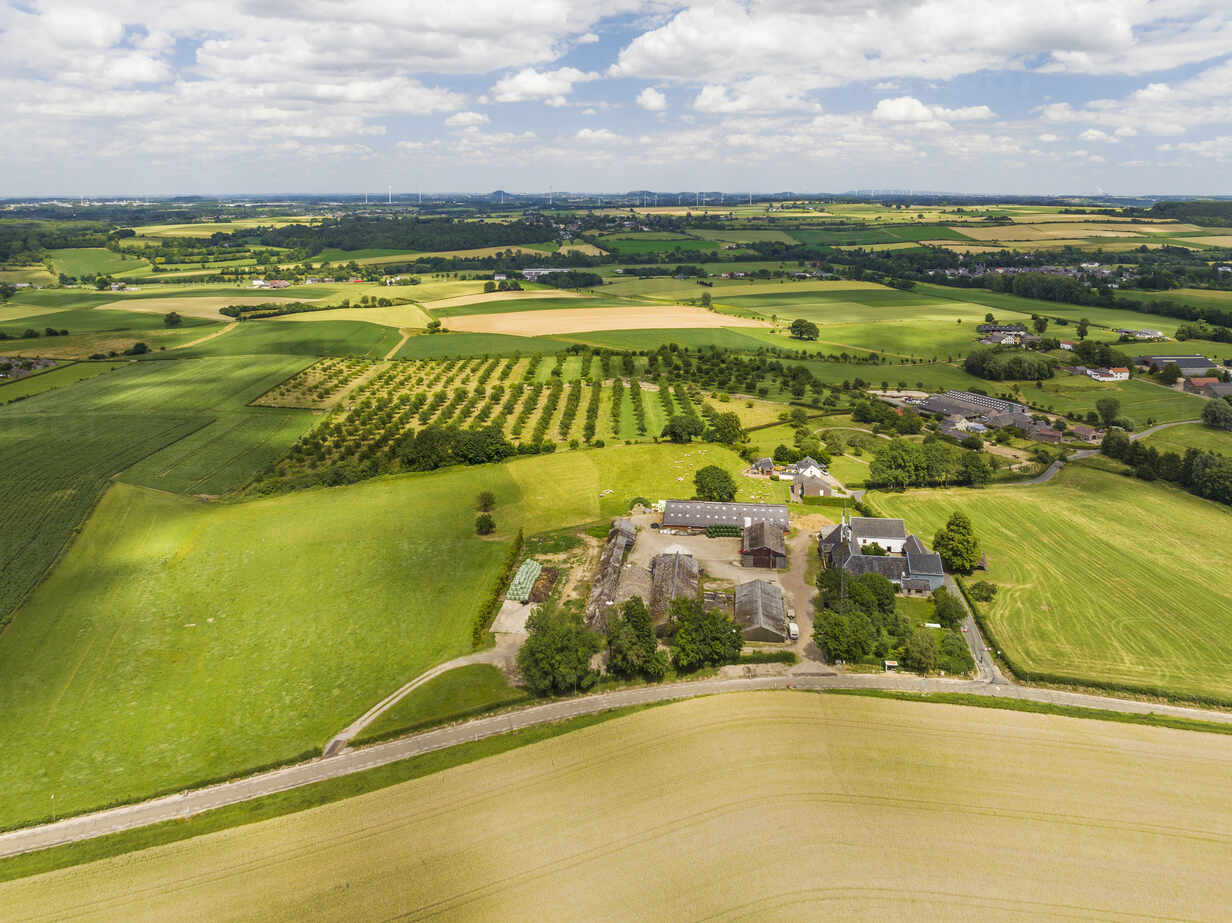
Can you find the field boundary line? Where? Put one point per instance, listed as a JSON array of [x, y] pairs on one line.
[[227, 328], [348, 761]]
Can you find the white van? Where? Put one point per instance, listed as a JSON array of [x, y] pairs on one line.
[[793, 631]]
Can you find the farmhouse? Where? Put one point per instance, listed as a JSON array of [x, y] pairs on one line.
[[1114, 374], [1217, 389], [909, 565], [1001, 328], [762, 545], [759, 611], [1000, 420], [698, 514], [810, 467], [1045, 434], [803, 486], [672, 575], [530, 275], [1085, 433], [1196, 385], [764, 466]]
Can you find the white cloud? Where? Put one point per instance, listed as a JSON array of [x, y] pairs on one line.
[[758, 94], [1094, 134], [588, 39], [467, 120], [911, 110], [595, 134], [552, 87], [652, 100], [1049, 138]]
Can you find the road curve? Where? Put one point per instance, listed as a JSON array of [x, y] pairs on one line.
[[188, 803], [1056, 466]]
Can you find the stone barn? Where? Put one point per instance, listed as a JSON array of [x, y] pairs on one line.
[[762, 545], [759, 611]]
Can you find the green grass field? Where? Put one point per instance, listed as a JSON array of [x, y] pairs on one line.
[[1180, 438], [460, 693], [56, 378], [96, 261], [1102, 578], [324, 338], [440, 346], [179, 641]]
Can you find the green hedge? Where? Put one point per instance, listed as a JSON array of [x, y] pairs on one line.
[[723, 532], [491, 605], [769, 657]]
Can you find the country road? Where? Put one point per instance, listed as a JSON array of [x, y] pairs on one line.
[[807, 676], [1053, 469]]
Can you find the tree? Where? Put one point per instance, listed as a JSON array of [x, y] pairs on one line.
[[803, 329], [555, 657], [1109, 408], [956, 544], [947, 610], [489, 287], [1218, 414], [922, 652], [430, 448], [485, 524], [706, 299], [983, 591], [1083, 326], [631, 646], [7, 291], [1040, 324], [725, 429], [713, 483], [682, 428], [172, 319], [703, 638], [1170, 374], [974, 470], [486, 501], [1116, 443]]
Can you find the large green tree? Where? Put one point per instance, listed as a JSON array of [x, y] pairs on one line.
[[956, 544], [555, 658], [682, 427], [713, 483], [703, 638], [631, 645], [922, 652], [1218, 413], [803, 329]]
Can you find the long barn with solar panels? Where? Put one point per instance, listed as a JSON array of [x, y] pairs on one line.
[[698, 514]]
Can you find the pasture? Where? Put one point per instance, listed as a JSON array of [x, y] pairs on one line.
[[179, 641], [204, 307], [580, 320], [268, 336], [1057, 817], [1180, 438], [96, 261], [457, 694], [1103, 578], [56, 378]]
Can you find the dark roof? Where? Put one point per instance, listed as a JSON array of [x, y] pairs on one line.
[[892, 567], [809, 462], [927, 564], [701, 513], [916, 583], [1193, 361], [764, 463], [625, 528], [1219, 388], [763, 535], [869, 527], [914, 546], [760, 603], [947, 407], [831, 539]]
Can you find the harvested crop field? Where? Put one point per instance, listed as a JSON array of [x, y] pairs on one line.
[[1221, 240], [1048, 231], [484, 297], [541, 323], [205, 307], [397, 316], [806, 806]]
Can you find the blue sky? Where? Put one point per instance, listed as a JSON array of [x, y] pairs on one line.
[[233, 96]]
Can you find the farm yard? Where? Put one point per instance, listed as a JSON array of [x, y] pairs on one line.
[[484, 839], [1069, 557]]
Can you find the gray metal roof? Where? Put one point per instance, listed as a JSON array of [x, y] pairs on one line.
[[760, 602], [914, 546], [701, 513], [873, 528], [928, 564], [763, 535]]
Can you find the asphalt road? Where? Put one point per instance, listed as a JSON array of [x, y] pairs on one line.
[[185, 804]]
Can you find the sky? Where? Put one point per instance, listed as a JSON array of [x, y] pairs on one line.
[[121, 97]]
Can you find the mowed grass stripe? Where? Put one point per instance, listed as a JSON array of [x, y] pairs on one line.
[[1104, 579]]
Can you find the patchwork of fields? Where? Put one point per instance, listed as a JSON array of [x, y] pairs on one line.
[[1092, 589], [847, 817]]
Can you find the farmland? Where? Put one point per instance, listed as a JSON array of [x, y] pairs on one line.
[[1191, 436], [580, 320], [483, 840], [1070, 557], [249, 613]]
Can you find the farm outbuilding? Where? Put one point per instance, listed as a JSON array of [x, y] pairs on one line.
[[698, 514], [762, 545], [672, 576], [524, 581], [759, 611], [620, 539]]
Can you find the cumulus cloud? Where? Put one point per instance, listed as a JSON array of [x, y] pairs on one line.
[[595, 135], [909, 109], [467, 120], [551, 87], [652, 100]]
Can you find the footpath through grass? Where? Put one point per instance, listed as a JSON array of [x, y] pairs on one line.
[[1104, 580]]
